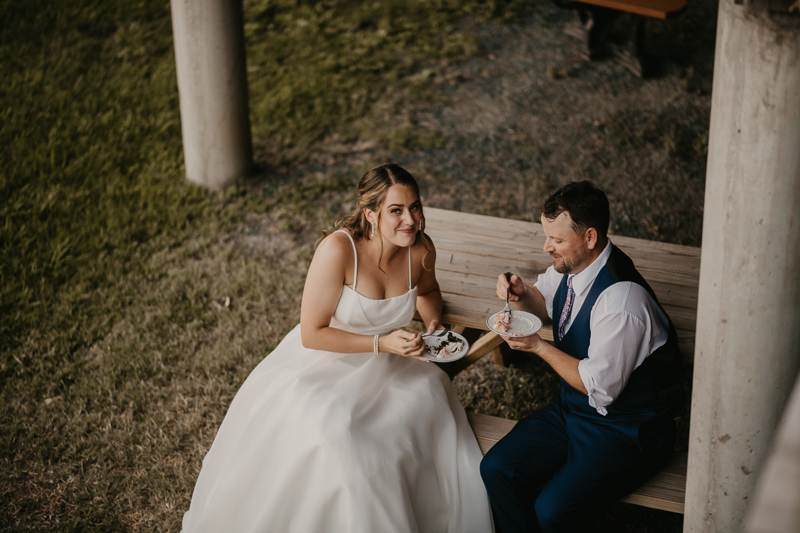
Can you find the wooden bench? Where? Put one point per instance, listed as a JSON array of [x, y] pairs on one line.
[[595, 19], [658, 9], [472, 250]]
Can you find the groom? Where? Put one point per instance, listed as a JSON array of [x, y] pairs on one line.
[[617, 354]]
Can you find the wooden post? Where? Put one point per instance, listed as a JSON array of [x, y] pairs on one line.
[[212, 80], [748, 327]]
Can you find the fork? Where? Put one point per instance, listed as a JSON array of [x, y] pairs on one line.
[[506, 310]]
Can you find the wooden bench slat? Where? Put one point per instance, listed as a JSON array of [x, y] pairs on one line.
[[683, 319], [490, 427], [659, 9], [529, 239], [665, 490], [675, 295], [529, 262], [485, 444], [483, 346], [483, 261], [488, 252], [478, 225], [512, 234], [681, 301], [498, 234], [660, 501]]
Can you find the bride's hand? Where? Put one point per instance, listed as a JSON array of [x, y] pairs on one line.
[[403, 343]]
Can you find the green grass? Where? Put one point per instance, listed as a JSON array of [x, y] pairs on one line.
[[118, 355]]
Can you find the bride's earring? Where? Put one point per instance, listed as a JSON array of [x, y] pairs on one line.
[[373, 229], [420, 225]]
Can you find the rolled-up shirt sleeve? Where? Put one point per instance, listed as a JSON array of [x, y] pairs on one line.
[[627, 326]]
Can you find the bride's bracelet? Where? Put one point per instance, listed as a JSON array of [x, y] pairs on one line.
[[375, 345]]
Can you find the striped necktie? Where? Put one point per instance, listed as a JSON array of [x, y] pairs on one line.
[[562, 322]]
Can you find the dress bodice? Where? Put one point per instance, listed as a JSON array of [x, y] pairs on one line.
[[356, 313]]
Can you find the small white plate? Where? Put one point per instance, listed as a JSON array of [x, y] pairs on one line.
[[436, 341], [523, 324]]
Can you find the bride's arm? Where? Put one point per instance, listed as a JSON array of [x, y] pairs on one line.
[[429, 297], [326, 277]]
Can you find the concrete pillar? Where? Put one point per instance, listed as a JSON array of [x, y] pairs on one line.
[[212, 81], [774, 508], [748, 327]]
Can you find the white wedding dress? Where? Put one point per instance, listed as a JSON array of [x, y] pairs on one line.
[[319, 441]]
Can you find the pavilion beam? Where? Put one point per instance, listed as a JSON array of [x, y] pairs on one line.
[[212, 82], [747, 352]]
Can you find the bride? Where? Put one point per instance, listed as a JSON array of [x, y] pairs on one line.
[[345, 427]]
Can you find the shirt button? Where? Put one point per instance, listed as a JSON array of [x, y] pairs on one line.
[[568, 393]]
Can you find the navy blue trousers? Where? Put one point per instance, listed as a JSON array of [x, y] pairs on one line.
[[580, 458]]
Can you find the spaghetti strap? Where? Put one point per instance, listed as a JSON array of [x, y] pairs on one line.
[[409, 268], [355, 256]]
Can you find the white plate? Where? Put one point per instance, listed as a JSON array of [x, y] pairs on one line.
[[523, 324], [435, 341]]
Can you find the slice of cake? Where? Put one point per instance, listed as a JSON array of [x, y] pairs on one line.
[[500, 322]]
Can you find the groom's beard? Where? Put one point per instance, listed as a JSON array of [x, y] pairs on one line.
[[568, 264]]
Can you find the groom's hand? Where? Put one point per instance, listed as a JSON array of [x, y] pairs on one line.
[[525, 344], [515, 289], [434, 326]]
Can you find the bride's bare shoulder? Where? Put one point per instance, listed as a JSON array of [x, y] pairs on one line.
[[335, 248]]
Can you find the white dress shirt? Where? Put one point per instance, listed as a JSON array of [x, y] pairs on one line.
[[626, 324]]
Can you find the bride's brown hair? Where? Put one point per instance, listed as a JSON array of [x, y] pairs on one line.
[[372, 191]]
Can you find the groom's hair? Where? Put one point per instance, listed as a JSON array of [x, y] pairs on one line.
[[586, 204]]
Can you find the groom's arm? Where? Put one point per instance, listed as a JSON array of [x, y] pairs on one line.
[[564, 364]]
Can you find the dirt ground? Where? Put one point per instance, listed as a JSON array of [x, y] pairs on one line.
[[497, 133]]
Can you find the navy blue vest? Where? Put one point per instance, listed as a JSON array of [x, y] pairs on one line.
[[654, 388]]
